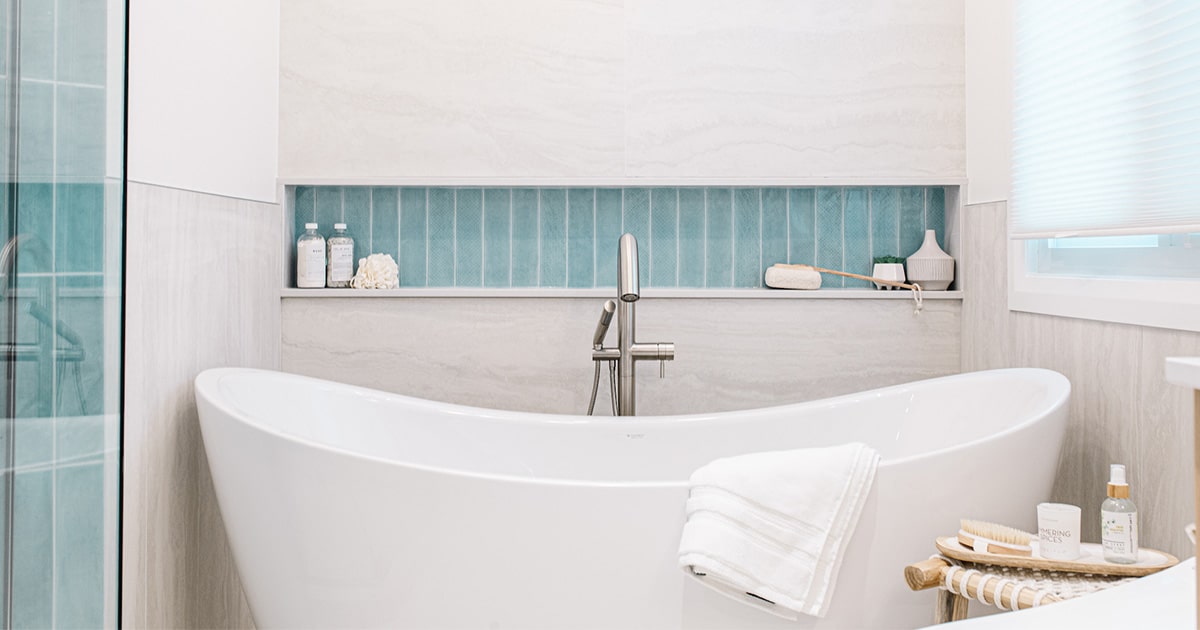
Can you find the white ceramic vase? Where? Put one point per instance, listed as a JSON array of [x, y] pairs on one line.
[[888, 271], [931, 267]]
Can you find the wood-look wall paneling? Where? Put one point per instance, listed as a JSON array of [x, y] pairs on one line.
[[535, 355], [1122, 410], [658, 88], [202, 280]]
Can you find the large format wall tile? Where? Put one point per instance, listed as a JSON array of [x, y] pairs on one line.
[[1122, 410], [795, 88], [202, 291], [451, 88], [535, 355], [660, 88]]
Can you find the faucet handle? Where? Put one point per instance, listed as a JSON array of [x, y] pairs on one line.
[[662, 368]]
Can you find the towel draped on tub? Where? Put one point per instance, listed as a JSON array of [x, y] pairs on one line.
[[770, 529]]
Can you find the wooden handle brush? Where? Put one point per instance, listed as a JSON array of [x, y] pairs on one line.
[[891, 283]]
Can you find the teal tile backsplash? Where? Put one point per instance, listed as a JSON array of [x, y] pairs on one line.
[[717, 237]]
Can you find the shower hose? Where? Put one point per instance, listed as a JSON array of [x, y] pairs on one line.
[[612, 387]]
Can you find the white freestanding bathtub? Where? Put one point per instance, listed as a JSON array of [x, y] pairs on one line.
[[352, 508]]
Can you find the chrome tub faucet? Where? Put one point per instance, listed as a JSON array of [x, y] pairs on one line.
[[628, 351]]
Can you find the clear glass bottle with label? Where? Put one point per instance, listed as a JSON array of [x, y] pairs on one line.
[[310, 258], [1119, 520], [341, 258]]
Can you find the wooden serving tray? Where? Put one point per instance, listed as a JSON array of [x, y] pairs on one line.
[[1090, 561]]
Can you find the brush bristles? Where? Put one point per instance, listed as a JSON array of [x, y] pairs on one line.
[[998, 533]]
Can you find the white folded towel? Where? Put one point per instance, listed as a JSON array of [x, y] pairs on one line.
[[770, 529]]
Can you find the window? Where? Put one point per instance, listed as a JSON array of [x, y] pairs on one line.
[[1105, 203]]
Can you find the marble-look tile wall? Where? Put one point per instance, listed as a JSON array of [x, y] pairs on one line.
[[535, 354], [567, 237], [658, 88], [202, 291], [1122, 410]]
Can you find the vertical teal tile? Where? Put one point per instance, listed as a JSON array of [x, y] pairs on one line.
[[885, 222], [497, 237], [581, 237], [439, 270], [552, 234], [416, 239], [935, 214], [79, 228], [664, 220], [305, 207], [718, 239], [82, 34], [37, 39], [636, 221], [802, 226], [525, 229], [329, 208], [829, 234], [468, 238], [79, 130], [912, 219], [33, 566], [608, 234], [747, 243], [356, 214], [79, 547], [35, 219], [691, 237], [856, 241], [385, 224], [774, 226], [36, 160]]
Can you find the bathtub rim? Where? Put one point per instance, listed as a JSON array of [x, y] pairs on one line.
[[207, 383]]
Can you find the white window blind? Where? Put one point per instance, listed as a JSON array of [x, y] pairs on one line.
[[1106, 118]]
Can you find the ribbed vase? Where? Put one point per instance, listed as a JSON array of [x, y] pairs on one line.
[[930, 267]]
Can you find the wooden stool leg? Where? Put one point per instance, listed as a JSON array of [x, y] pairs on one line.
[[949, 607]]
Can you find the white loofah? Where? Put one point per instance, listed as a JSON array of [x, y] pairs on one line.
[[791, 278], [377, 271]]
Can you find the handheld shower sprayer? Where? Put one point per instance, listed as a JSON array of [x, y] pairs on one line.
[[606, 316]]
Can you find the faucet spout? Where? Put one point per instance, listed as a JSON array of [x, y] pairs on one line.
[[628, 287]]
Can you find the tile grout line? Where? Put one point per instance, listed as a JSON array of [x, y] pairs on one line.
[[538, 232], [787, 221], [704, 279], [400, 227], [732, 238], [482, 240], [842, 194], [567, 237], [758, 282], [678, 226], [426, 282], [870, 233], [510, 237], [595, 240]]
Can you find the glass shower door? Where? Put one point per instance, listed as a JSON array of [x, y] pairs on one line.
[[63, 218]]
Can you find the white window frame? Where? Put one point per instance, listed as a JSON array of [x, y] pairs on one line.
[[1160, 303]]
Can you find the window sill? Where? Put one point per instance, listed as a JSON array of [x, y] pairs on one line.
[[1166, 303]]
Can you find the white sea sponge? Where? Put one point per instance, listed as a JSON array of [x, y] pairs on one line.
[[377, 271]]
